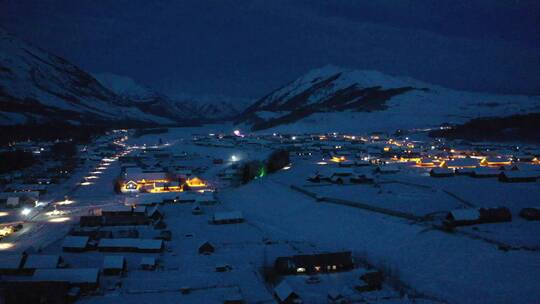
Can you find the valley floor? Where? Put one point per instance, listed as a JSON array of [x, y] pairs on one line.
[[426, 264]]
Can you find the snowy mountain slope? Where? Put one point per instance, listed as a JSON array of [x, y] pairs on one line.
[[36, 86], [334, 98], [148, 99], [181, 106], [216, 107], [125, 86]]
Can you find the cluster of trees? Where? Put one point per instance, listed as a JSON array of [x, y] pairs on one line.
[[64, 150], [257, 169], [516, 127], [49, 132], [15, 160], [144, 131]]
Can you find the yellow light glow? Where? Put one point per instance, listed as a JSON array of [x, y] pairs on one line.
[[322, 163], [59, 220], [91, 177], [336, 159], [6, 230], [3, 213], [5, 246], [65, 202], [86, 183], [195, 182]]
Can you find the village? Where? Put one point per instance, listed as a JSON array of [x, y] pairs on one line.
[[200, 215]]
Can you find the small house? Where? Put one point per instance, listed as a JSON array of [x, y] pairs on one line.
[[441, 172], [531, 213], [425, 162], [114, 265], [495, 161], [346, 163], [75, 243], [460, 163], [230, 217], [484, 172], [461, 217], [42, 261], [12, 202], [196, 209], [362, 179], [195, 182], [235, 298], [206, 248], [370, 281], [495, 215], [465, 171], [206, 198], [222, 267], [387, 169], [154, 213], [83, 278], [11, 264], [518, 176], [285, 294], [314, 263], [148, 263], [90, 221], [131, 245]]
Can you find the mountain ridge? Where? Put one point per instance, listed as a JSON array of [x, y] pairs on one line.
[[365, 95]]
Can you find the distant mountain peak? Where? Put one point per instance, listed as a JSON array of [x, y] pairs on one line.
[[37, 86], [363, 95]]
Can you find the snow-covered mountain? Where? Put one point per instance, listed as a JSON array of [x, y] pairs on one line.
[[148, 99], [334, 98], [215, 107], [37, 86], [202, 107]]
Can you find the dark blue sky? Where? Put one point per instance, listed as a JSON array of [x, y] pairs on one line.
[[247, 48]]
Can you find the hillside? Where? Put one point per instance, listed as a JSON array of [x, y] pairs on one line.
[[149, 100], [39, 87], [334, 98]]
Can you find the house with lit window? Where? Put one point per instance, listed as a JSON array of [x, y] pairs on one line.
[[137, 180], [314, 263]]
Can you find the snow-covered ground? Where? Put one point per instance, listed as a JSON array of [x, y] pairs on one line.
[[460, 267]]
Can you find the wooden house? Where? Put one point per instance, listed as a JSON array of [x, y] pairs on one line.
[[206, 248], [148, 263], [441, 172], [42, 261], [75, 243], [518, 176], [495, 161], [285, 294], [230, 217], [314, 263], [11, 264], [530, 213], [425, 162], [114, 265], [83, 278], [462, 217]]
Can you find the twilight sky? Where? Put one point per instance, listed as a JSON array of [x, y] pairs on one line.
[[248, 48]]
